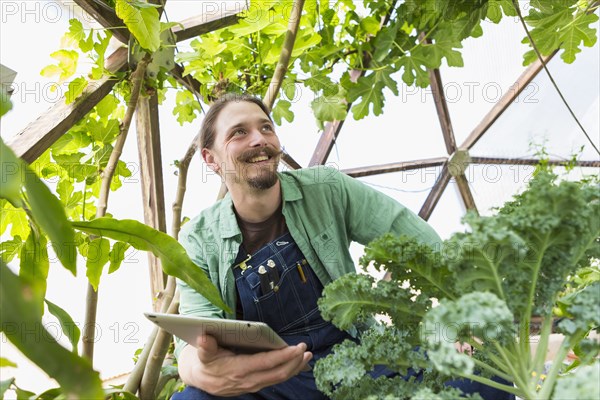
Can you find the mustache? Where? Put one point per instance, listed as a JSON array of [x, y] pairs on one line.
[[268, 151]]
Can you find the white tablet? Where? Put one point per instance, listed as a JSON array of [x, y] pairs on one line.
[[239, 336]]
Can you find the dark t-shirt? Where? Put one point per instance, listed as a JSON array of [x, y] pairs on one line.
[[255, 235]]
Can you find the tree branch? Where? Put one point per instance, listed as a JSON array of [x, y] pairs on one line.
[[159, 349], [184, 165], [286, 54]]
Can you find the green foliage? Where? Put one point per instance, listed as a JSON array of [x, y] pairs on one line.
[[416, 36], [582, 384], [560, 24], [489, 282], [45, 209], [20, 314], [66, 67], [68, 326], [142, 20], [173, 256], [187, 108]]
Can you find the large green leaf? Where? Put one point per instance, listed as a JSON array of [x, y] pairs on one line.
[[143, 22], [46, 209], [21, 324], [50, 215], [68, 326], [173, 256], [10, 248], [34, 266], [10, 170], [116, 256], [97, 255]]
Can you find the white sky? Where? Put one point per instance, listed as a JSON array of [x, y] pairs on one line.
[[408, 130]]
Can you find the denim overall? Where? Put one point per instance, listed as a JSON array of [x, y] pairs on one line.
[[290, 308]]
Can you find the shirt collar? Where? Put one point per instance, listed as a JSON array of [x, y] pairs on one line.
[[228, 223], [289, 188]]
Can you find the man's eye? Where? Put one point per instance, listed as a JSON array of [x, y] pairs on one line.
[[238, 132], [267, 128]]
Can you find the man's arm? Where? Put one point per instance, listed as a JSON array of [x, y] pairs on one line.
[[220, 372], [370, 214]]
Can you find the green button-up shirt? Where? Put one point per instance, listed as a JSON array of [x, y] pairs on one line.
[[324, 210]]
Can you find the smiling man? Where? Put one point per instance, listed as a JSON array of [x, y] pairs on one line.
[[297, 226]]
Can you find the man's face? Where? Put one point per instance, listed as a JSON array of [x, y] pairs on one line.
[[246, 150]]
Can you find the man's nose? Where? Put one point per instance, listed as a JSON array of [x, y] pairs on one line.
[[257, 139]]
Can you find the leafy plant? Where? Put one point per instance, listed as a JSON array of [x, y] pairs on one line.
[[380, 41], [489, 282], [22, 295]]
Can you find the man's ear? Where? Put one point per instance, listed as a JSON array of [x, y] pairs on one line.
[[209, 159]]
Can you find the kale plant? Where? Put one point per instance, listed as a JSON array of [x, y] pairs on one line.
[[489, 281]]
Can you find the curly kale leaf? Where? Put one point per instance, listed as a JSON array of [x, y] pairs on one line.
[[558, 222], [349, 363], [480, 258], [480, 314], [582, 384], [525, 252], [410, 263], [382, 388], [356, 297], [583, 311]]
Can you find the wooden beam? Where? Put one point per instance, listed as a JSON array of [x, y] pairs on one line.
[[394, 167], [290, 162], [326, 142], [436, 193], [40, 134], [441, 106], [465, 192], [208, 22], [533, 161], [149, 151], [107, 17], [505, 101]]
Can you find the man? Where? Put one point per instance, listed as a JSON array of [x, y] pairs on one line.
[[296, 224]]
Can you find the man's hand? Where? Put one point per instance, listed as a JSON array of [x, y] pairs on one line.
[[221, 372]]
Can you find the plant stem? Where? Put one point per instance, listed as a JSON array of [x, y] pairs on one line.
[[493, 370], [516, 376], [542, 348], [184, 165], [286, 54], [526, 317], [159, 349], [491, 383], [135, 377], [557, 363]]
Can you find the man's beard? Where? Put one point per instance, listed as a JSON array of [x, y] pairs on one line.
[[265, 179]]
